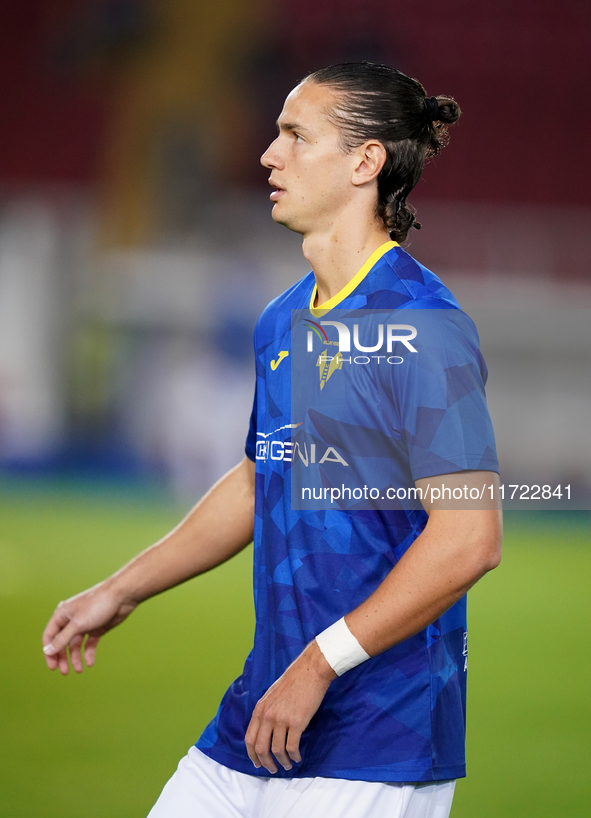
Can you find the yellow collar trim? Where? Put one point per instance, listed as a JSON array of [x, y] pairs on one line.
[[322, 309]]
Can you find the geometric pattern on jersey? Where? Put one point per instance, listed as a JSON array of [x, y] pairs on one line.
[[400, 716]]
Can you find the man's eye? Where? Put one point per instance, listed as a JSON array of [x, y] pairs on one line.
[[298, 137]]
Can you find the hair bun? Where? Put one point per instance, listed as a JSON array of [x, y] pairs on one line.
[[432, 108], [449, 110]]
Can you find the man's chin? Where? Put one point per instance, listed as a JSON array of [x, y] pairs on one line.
[[282, 218]]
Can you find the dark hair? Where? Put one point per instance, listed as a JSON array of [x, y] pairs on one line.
[[379, 102]]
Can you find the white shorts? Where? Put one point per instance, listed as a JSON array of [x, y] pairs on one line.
[[202, 788]]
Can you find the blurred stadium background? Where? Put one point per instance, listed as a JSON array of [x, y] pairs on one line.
[[136, 252]]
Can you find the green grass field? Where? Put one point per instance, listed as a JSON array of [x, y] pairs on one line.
[[104, 743]]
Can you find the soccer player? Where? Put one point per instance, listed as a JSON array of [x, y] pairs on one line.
[[352, 701]]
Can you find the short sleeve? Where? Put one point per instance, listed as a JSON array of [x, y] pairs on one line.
[[439, 397]]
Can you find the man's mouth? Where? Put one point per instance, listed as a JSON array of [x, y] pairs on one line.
[[278, 192]]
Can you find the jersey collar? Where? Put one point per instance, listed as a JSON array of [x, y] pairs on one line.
[[322, 309]]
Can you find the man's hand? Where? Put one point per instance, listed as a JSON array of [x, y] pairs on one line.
[[91, 613], [284, 712]]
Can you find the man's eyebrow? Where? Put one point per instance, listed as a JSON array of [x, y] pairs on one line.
[[290, 126]]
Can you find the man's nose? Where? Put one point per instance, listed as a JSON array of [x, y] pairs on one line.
[[272, 157]]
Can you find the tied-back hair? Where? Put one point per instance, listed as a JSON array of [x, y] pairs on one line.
[[379, 102]]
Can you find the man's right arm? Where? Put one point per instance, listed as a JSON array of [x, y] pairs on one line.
[[219, 526]]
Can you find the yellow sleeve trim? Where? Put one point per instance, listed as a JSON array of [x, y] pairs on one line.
[[322, 309]]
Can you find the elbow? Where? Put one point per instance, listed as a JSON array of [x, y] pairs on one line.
[[493, 540], [491, 550], [485, 556], [493, 557], [486, 547]]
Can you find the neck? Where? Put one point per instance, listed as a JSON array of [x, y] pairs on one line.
[[336, 255]]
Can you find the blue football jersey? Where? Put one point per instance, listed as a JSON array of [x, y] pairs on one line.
[[399, 716]]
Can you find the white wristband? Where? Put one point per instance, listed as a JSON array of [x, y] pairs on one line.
[[340, 648]]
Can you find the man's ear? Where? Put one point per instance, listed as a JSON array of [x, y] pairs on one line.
[[371, 157]]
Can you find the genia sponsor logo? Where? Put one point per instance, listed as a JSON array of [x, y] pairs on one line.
[[291, 451]]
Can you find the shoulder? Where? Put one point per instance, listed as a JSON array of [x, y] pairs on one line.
[[401, 279]]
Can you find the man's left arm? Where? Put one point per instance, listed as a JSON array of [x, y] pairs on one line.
[[456, 548]]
